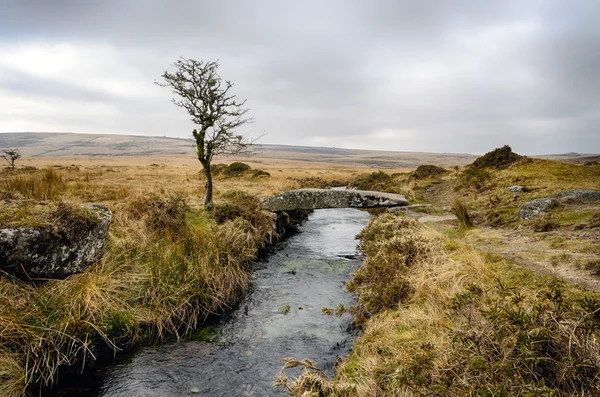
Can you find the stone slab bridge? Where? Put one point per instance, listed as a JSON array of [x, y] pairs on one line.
[[312, 199]]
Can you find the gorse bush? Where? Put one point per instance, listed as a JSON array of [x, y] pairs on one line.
[[478, 175], [237, 168], [427, 171], [497, 158], [512, 344], [379, 181]]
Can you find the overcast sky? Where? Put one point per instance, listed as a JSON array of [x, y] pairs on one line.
[[439, 76]]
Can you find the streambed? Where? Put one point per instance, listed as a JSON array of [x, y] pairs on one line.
[[240, 356]]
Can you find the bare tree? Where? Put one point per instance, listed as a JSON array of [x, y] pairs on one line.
[[207, 99], [11, 155]]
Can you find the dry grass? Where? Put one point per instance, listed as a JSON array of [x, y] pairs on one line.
[[164, 286], [471, 325], [169, 265], [460, 210], [12, 378], [148, 286], [47, 185], [541, 178]]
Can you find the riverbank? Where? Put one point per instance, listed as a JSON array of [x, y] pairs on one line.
[[279, 316], [440, 317], [167, 268]]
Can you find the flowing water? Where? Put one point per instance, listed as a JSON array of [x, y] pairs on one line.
[[244, 353]]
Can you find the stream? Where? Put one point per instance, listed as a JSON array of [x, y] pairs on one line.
[[240, 356]]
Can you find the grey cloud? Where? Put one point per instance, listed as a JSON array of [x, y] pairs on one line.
[[431, 75]]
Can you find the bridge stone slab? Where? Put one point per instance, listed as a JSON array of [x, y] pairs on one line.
[[312, 199]]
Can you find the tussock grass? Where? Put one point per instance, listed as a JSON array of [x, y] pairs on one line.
[[427, 171], [543, 224], [167, 268], [239, 204], [381, 283], [47, 185], [460, 210], [472, 324], [12, 379]]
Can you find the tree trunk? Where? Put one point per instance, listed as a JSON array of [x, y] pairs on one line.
[[208, 198]]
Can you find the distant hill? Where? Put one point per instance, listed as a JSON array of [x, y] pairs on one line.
[[36, 144]]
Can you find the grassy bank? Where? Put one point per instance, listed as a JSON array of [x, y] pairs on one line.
[[440, 318], [168, 266]]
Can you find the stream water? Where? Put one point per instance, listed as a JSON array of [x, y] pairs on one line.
[[244, 352]]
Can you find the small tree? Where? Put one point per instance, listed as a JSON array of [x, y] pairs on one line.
[[208, 101], [11, 155]]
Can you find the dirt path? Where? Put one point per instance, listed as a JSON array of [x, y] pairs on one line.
[[561, 254]]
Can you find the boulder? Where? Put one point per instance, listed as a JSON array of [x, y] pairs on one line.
[[582, 195], [535, 208], [48, 252], [516, 189]]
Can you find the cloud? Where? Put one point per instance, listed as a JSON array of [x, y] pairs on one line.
[[395, 75]]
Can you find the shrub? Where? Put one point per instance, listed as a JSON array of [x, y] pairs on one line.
[[219, 169], [238, 168], [498, 158], [427, 171], [166, 216], [547, 343], [477, 175], [379, 181]]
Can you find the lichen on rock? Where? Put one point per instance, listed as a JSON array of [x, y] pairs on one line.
[[311, 199], [75, 240], [534, 208]]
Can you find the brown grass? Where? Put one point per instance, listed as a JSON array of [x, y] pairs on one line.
[[47, 185], [413, 340], [169, 265], [472, 325], [460, 210]]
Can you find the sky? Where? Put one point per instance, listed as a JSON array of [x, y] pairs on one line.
[[438, 76]]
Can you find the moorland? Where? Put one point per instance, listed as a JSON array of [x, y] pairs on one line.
[[484, 303]]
